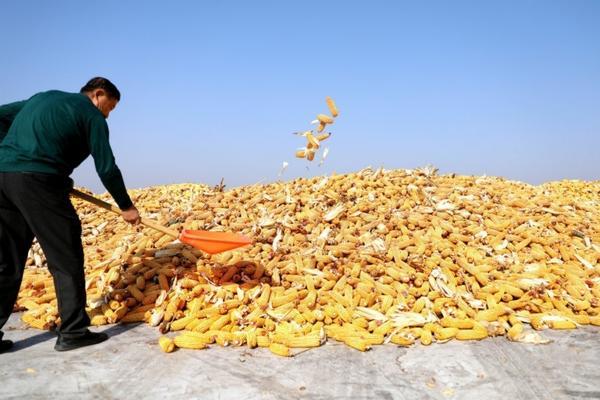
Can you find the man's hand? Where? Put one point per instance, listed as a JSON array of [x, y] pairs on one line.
[[131, 215]]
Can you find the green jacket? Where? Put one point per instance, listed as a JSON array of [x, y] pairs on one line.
[[53, 132]]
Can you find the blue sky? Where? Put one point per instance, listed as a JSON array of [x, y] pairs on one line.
[[214, 89]]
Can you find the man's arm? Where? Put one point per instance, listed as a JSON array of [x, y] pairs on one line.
[[8, 112], [104, 160]]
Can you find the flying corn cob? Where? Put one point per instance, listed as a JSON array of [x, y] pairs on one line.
[[332, 107], [323, 136], [312, 141], [324, 119]]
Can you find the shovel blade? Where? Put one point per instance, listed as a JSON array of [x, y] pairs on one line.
[[213, 242]]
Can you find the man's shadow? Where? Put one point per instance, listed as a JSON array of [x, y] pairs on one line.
[[112, 331]]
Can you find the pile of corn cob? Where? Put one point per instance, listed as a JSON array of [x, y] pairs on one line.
[[366, 258]]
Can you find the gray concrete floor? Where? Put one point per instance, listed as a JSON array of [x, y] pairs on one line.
[[131, 366]]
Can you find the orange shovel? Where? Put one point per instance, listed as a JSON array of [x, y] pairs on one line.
[[207, 241]]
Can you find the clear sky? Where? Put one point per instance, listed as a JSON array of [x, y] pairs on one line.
[[214, 89]]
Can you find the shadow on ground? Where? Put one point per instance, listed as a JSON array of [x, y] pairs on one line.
[[114, 330]]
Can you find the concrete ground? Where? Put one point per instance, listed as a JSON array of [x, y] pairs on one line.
[[131, 366]]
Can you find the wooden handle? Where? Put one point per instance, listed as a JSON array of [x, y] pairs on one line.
[[107, 206]]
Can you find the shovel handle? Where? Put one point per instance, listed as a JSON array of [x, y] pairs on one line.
[[107, 206]]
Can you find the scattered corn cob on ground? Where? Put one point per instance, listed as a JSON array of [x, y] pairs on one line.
[[373, 257]]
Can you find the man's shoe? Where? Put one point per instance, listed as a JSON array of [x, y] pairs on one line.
[[5, 345], [88, 339]]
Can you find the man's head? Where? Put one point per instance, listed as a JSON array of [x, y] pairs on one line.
[[103, 94]]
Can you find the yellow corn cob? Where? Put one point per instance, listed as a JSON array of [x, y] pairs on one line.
[[323, 136], [220, 323], [285, 299], [515, 331], [512, 318], [98, 320], [563, 324], [490, 315], [30, 304], [263, 341], [118, 314], [372, 338], [312, 141], [332, 107], [446, 333], [537, 322], [166, 344], [471, 334], [280, 349], [264, 296], [401, 340], [384, 328], [303, 341], [182, 323], [205, 324], [41, 324], [189, 342], [361, 322], [426, 337], [251, 339], [357, 343], [325, 119], [449, 322], [133, 317]]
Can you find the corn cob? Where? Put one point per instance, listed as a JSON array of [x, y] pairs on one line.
[[280, 349], [325, 119], [357, 343], [166, 344], [332, 107], [471, 334], [312, 141], [189, 342], [323, 136]]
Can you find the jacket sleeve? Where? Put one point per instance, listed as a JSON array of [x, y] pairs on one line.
[[8, 112], [104, 160]]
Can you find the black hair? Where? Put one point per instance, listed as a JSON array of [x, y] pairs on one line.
[[104, 84]]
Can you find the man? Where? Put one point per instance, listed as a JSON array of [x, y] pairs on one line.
[[41, 141]]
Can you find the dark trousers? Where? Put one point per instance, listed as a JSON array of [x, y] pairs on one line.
[[33, 204]]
